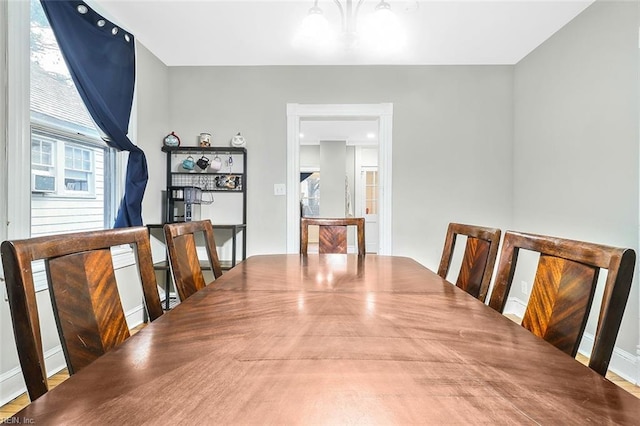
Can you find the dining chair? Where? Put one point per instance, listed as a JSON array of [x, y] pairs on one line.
[[183, 256], [563, 291], [479, 258], [84, 293], [332, 234]]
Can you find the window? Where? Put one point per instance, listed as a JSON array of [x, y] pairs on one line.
[[72, 188], [78, 168], [371, 192], [41, 155], [310, 195]]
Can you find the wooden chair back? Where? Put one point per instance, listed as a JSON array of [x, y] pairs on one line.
[[563, 291], [183, 255], [478, 260], [84, 295], [332, 234]]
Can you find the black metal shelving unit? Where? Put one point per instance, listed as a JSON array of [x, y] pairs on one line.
[[208, 182]]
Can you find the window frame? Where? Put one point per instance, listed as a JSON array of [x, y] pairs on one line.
[[18, 159]]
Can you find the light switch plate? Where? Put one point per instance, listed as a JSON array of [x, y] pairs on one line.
[[279, 189]]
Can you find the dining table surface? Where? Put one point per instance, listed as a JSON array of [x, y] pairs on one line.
[[334, 339]]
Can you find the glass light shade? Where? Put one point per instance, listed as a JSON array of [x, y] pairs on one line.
[[315, 32], [382, 32]]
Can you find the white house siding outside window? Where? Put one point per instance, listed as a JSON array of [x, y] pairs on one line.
[[72, 188]]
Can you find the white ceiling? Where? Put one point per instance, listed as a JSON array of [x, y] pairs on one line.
[[260, 32]]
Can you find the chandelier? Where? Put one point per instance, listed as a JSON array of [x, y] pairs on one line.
[[378, 32]]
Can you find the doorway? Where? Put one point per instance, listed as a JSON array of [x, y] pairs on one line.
[[383, 114]]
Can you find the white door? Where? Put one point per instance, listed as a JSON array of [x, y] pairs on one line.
[[369, 205]]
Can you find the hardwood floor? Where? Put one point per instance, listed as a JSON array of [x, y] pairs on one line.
[[18, 403]]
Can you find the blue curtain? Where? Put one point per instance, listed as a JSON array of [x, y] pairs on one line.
[[101, 59]]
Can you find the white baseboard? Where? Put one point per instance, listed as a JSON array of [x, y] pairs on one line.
[[515, 306], [135, 316], [12, 383], [623, 363]]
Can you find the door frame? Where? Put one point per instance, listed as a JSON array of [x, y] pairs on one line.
[[384, 113]]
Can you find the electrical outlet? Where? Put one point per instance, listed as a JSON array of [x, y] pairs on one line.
[[279, 189], [524, 287]]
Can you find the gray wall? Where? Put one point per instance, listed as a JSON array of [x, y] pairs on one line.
[[452, 135], [333, 156], [576, 136], [152, 99]]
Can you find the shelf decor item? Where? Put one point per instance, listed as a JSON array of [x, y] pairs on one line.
[[171, 140], [203, 162], [188, 163], [205, 139], [216, 164], [238, 140]]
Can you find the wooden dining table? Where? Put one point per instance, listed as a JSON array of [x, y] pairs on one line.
[[334, 339]]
